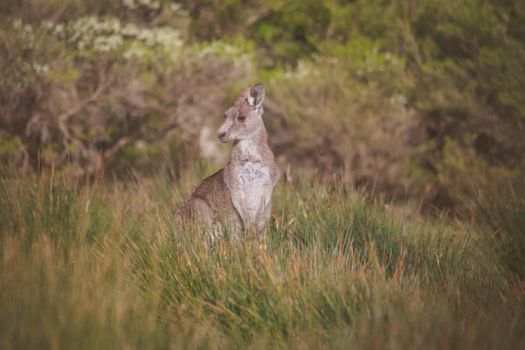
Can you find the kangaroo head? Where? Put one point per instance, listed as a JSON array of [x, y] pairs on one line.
[[244, 119]]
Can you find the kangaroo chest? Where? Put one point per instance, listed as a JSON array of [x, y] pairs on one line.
[[251, 190]]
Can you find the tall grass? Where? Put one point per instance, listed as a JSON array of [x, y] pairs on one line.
[[498, 205], [102, 265]]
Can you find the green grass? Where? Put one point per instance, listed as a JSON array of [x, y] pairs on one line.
[[102, 266]]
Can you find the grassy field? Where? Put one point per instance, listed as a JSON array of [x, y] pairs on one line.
[[101, 266]]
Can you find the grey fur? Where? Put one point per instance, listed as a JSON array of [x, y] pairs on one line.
[[239, 195]]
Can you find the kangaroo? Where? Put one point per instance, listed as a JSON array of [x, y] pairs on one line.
[[240, 194]]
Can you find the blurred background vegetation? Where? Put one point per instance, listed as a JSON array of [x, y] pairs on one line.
[[418, 99], [421, 103]]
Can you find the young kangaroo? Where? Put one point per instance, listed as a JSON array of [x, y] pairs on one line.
[[240, 194]]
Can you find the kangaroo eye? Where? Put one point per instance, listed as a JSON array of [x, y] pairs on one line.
[[241, 118]]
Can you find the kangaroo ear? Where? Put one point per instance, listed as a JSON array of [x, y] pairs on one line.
[[256, 96]]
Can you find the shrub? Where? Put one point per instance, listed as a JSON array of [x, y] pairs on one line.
[[105, 92], [346, 114]]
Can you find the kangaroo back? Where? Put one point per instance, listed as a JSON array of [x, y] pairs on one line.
[[208, 204]]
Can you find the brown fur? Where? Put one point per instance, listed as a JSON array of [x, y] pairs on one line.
[[208, 203], [240, 194]]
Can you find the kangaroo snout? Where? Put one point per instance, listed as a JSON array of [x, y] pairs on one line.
[[222, 136]]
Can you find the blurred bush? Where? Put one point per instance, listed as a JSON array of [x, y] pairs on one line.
[[398, 95], [346, 113], [469, 91], [109, 91]]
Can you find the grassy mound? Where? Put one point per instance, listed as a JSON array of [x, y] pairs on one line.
[[102, 265]]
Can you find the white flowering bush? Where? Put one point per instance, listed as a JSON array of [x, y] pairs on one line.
[[110, 34], [151, 4], [112, 92]]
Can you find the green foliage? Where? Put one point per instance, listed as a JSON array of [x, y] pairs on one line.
[[462, 74], [347, 112], [105, 92], [385, 93]]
